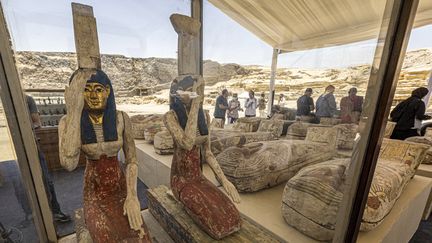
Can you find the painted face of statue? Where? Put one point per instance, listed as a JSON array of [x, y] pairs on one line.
[[96, 96]]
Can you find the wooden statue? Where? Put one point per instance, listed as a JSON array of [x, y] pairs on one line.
[[95, 127], [209, 207]]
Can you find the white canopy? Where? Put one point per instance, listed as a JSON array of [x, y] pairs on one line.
[[293, 25]]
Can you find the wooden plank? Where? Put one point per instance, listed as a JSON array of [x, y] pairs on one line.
[[173, 218], [86, 38]]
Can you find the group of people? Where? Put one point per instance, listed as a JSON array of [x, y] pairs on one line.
[[350, 106], [231, 109], [407, 115]]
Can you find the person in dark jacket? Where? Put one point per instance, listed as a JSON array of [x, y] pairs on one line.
[[408, 115], [326, 103]]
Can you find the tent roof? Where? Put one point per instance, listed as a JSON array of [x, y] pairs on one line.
[[293, 25]]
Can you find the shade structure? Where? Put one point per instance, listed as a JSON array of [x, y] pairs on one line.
[[294, 25]]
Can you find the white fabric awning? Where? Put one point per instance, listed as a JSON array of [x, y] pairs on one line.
[[293, 25]]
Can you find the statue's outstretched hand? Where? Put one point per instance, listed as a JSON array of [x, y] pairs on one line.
[[231, 191], [132, 208]]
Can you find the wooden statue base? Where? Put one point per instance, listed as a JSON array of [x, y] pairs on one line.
[[175, 221]]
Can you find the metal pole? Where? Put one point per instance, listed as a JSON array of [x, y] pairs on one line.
[[272, 80], [429, 87]]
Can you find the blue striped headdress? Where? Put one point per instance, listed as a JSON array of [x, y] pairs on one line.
[[109, 124]]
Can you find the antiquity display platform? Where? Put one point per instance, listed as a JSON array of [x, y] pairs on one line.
[[178, 224], [426, 171], [264, 207]]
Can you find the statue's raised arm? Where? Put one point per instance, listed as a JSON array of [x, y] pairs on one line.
[[70, 124]]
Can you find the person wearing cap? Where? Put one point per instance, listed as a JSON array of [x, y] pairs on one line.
[[234, 108], [221, 106], [351, 107], [326, 103], [305, 104], [262, 105]]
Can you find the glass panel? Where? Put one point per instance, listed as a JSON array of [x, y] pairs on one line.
[[415, 73], [326, 89], [139, 51], [16, 215]]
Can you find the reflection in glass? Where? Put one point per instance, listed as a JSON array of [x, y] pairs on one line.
[[16, 219]]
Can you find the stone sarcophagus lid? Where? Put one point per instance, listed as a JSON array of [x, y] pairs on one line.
[[298, 130], [248, 124], [146, 126], [163, 143], [275, 127], [264, 164], [311, 198], [223, 139], [346, 136]]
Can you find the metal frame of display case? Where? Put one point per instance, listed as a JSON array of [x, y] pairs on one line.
[[391, 48], [385, 70]]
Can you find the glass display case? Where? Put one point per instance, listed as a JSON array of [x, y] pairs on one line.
[[296, 101]]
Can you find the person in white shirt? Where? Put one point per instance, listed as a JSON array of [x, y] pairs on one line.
[[281, 101], [251, 105]]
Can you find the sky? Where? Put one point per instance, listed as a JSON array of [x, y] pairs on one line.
[[141, 28]]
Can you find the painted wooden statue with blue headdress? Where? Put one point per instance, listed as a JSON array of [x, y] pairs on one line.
[[209, 207], [96, 128]]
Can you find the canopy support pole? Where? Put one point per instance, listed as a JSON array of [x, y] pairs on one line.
[[272, 80], [429, 87]]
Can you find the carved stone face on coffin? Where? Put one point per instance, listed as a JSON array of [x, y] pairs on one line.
[[96, 96]]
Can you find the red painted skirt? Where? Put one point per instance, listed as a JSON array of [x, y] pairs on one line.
[[210, 208], [104, 196]]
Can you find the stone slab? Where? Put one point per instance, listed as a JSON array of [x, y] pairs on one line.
[[174, 219]]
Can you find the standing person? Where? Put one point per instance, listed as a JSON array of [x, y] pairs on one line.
[[281, 101], [234, 108], [262, 105], [221, 106], [251, 105], [305, 104], [58, 215], [408, 115], [326, 103], [351, 107]]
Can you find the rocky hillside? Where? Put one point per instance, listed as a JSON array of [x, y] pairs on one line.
[[53, 69], [293, 82]]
